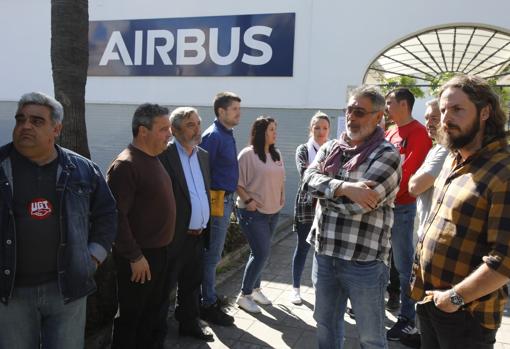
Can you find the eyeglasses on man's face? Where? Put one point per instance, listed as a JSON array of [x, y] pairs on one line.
[[358, 112]]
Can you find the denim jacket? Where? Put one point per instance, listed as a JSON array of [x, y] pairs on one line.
[[87, 218]]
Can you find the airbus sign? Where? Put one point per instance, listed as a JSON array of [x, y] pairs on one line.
[[244, 45]]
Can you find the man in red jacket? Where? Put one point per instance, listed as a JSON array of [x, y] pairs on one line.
[[413, 143]]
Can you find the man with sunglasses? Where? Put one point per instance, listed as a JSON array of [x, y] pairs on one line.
[[356, 179], [413, 143]]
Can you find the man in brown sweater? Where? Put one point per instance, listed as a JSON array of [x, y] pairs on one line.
[[146, 223]]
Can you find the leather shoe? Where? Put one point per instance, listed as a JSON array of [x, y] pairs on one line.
[[195, 331], [215, 315]]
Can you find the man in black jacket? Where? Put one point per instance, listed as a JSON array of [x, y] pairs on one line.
[[188, 166]]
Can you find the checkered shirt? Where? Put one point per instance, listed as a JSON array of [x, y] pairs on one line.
[[469, 220], [342, 228], [304, 208]]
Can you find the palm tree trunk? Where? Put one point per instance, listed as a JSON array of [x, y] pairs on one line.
[[69, 59]]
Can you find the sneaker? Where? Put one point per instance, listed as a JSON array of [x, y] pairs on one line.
[[259, 297], [295, 297], [403, 326], [215, 315], [350, 312], [411, 340], [393, 302], [246, 302]]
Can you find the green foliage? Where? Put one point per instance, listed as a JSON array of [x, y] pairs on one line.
[[402, 81], [502, 91], [438, 81], [235, 238]]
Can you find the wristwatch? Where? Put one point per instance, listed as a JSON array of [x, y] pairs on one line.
[[456, 298]]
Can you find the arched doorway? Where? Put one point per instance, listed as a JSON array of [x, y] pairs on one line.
[[468, 49]]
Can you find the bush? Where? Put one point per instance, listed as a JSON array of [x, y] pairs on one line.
[[235, 238]]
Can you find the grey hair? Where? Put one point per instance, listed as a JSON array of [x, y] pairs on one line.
[[180, 114], [433, 103], [39, 98], [377, 99]]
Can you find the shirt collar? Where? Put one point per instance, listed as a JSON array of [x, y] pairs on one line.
[[484, 151], [181, 149], [221, 127]]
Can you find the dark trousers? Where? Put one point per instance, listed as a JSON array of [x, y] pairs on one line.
[[185, 272], [394, 285], [139, 304], [440, 330]]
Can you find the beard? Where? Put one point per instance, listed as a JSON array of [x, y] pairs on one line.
[[359, 133], [196, 140], [463, 138]]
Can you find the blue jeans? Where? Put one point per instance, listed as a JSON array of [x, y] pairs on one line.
[[37, 315], [258, 229], [403, 253], [336, 280], [300, 253], [218, 232]]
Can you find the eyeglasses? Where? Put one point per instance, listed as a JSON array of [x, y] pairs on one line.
[[358, 112]]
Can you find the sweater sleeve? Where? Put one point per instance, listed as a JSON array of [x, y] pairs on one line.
[[121, 178]]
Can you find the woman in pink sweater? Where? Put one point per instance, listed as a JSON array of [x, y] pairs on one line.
[[260, 198]]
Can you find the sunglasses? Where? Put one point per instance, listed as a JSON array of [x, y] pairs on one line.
[[358, 112]]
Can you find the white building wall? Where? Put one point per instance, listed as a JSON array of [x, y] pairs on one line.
[[335, 41]]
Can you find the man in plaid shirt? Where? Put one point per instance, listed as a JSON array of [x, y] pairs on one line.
[[463, 258], [356, 179]]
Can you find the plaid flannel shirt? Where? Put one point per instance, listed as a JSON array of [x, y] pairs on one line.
[[469, 220], [342, 228], [304, 207]]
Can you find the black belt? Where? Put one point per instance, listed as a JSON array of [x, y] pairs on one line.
[[195, 232]]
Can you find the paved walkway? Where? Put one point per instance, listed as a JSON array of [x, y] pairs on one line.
[[283, 325]]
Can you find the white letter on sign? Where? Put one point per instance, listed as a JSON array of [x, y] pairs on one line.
[[163, 50], [234, 46], [197, 46], [110, 55], [251, 42]]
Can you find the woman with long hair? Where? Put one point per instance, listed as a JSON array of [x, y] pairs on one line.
[[304, 209], [260, 198]]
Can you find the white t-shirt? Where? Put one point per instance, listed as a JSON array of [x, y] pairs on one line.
[[432, 165]]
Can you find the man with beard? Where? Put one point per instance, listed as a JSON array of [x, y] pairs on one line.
[[463, 258], [421, 185], [356, 179], [188, 166]]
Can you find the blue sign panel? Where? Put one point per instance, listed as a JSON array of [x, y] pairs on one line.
[[245, 45]]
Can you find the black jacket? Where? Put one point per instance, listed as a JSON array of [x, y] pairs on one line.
[[172, 163]]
